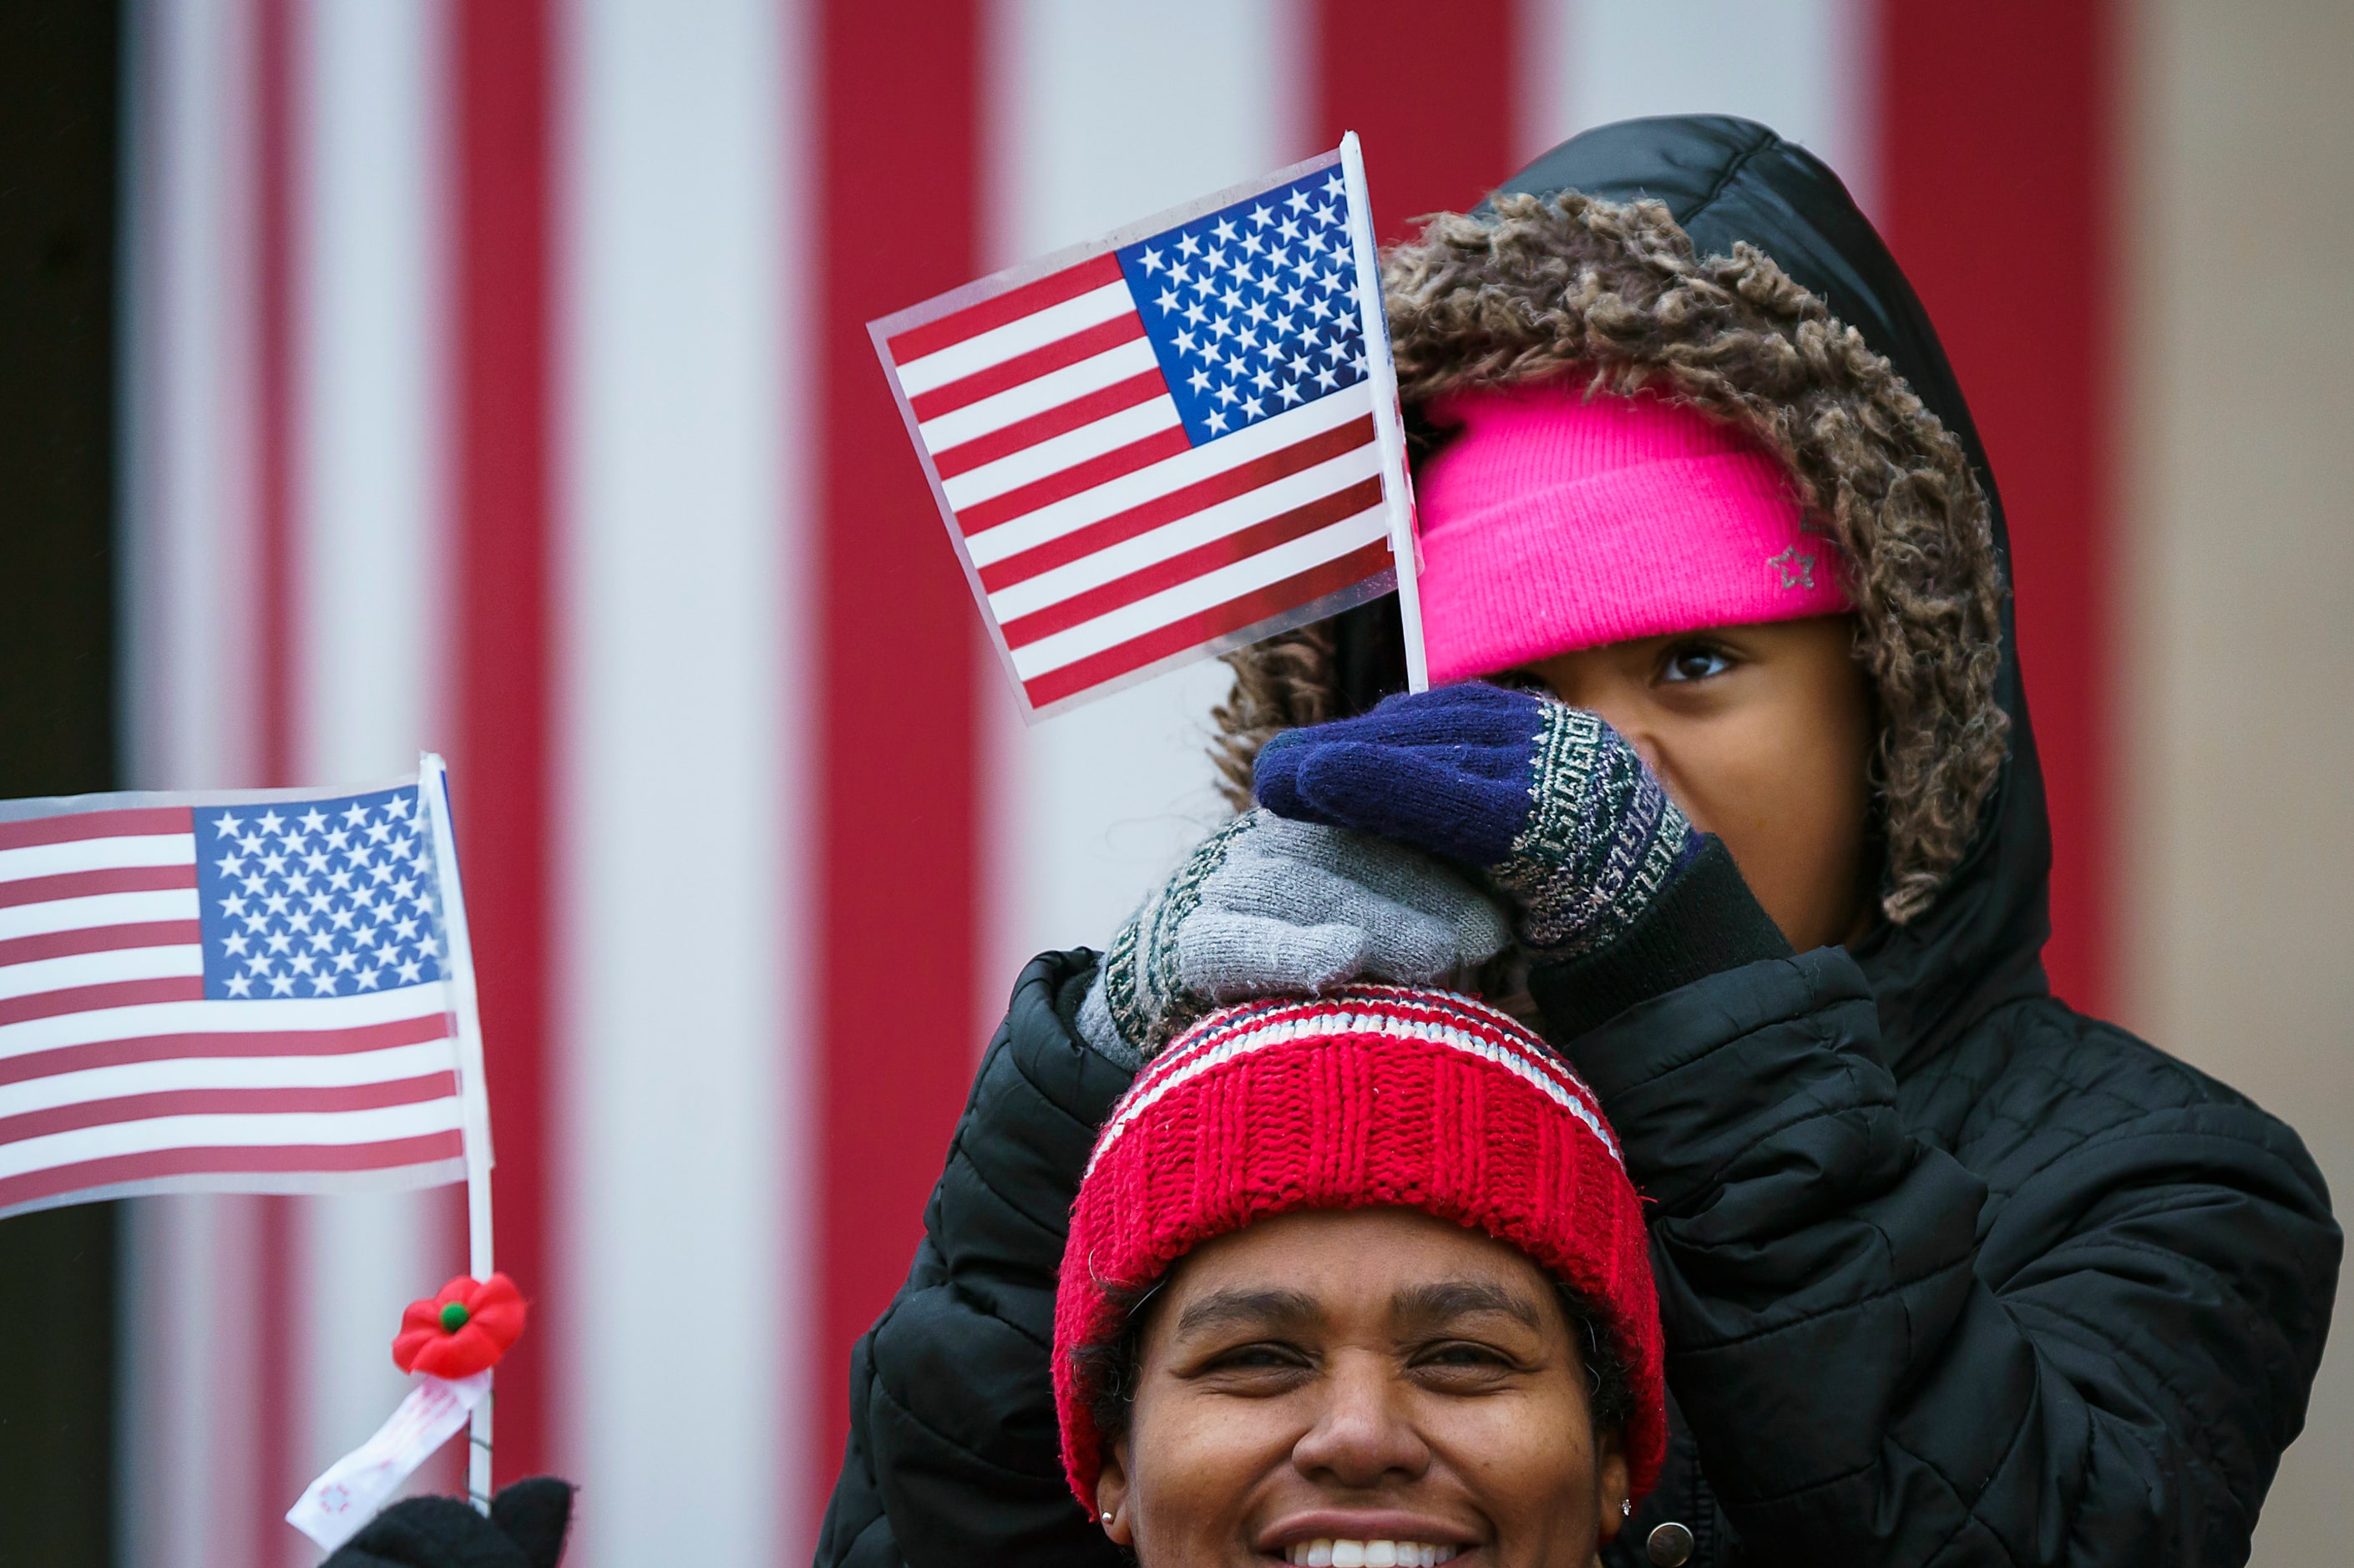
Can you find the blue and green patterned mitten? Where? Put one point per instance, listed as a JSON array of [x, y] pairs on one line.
[[1545, 801]]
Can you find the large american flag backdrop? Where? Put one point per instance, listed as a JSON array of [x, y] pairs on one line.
[[499, 383]]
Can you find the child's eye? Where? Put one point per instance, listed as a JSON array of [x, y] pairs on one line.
[[1695, 661]]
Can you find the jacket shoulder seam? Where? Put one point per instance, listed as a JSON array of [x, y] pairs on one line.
[[1731, 172], [1969, 1501], [949, 1252], [2137, 1130], [1851, 1304], [1812, 1023], [904, 1409]]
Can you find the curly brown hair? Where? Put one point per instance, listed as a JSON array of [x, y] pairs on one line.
[[1612, 295], [1284, 683]]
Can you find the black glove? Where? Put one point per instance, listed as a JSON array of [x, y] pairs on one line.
[[525, 1530]]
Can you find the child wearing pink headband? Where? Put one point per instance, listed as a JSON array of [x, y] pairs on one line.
[[1557, 518], [1729, 784]]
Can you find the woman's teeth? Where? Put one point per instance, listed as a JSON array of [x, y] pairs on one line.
[[1368, 1553]]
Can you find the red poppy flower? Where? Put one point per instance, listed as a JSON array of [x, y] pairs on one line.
[[463, 1330]]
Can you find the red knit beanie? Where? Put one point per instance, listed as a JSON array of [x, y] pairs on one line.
[[1377, 1097]]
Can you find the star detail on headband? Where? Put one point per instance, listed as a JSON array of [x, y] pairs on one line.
[[1796, 567]]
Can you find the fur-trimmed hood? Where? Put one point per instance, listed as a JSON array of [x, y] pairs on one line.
[[1539, 288], [1707, 259]]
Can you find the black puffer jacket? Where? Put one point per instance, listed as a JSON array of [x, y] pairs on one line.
[[1949, 1273]]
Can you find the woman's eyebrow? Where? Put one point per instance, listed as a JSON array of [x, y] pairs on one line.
[[1242, 1305], [1444, 1299]]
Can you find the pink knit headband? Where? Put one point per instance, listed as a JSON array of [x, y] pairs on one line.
[[1552, 521]]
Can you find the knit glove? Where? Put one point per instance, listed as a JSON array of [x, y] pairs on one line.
[[524, 1530], [1544, 800], [1265, 906]]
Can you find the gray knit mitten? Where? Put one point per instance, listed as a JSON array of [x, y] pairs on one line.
[[1266, 906]]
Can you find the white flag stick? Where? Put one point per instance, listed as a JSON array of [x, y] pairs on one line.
[[1389, 425], [433, 787]]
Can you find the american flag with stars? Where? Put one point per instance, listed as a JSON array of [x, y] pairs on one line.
[[1255, 309], [332, 902], [249, 992], [1164, 444]]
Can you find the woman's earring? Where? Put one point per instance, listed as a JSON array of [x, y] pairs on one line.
[[1625, 1510], [1106, 1519]]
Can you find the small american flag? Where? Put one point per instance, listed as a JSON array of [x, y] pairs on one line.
[[229, 994], [1172, 441]]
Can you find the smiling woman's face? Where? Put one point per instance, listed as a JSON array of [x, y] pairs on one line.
[[1363, 1387]]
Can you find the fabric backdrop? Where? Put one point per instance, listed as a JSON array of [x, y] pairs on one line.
[[499, 384]]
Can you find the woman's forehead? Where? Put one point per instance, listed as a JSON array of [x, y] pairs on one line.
[[1311, 1262]]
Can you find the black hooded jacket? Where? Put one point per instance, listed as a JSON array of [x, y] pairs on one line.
[[1949, 1273]]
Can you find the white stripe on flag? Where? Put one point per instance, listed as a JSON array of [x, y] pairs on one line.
[[94, 1084], [1015, 338], [286, 1015], [193, 1326], [1055, 453], [97, 854], [1037, 394], [1803, 66], [263, 1129], [1213, 522], [1051, 522], [40, 975], [95, 910], [371, 601], [672, 684], [1202, 593]]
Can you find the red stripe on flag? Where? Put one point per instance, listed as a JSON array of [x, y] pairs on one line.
[[99, 940], [1240, 479], [134, 821], [2007, 105], [91, 884], [1070, 482], [279, 101], [1011, 306], [314, 1098], [966, 456], [94, 998], [1101, 338], [1194, 629], [393, 1154], [182, 1047], [1224, 551], [1437, 122], [898, 87], [504, 366]]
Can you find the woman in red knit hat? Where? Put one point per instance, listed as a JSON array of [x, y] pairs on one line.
[[1358, 1282]]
